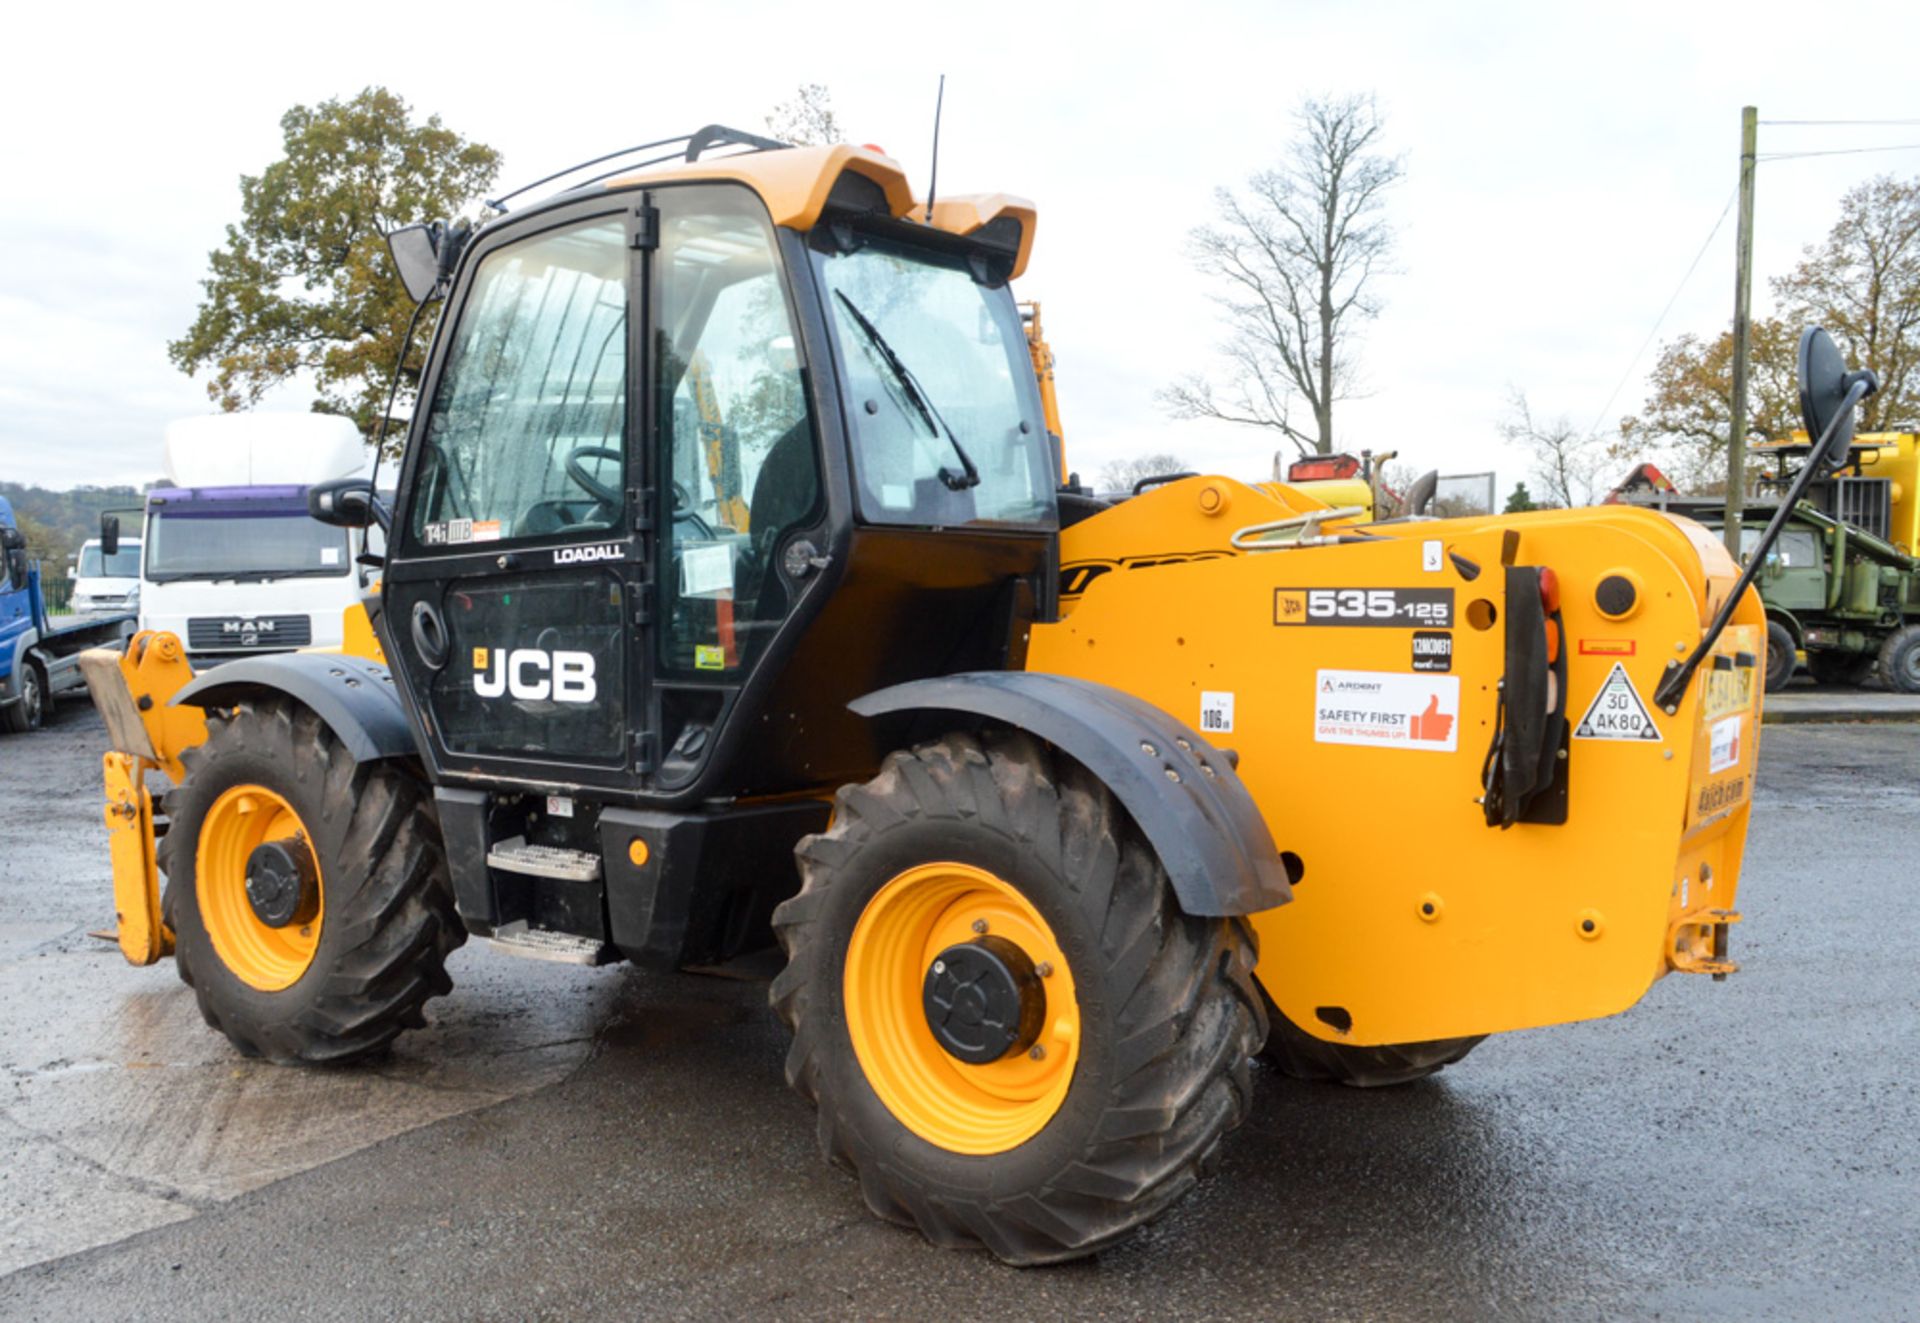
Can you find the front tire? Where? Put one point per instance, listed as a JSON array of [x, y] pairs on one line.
[[29, 712], [353, 969], [1035, 1158]]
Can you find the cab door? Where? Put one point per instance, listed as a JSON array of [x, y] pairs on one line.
[[517, 561]]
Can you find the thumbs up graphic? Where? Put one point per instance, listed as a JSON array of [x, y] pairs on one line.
[[1432, 725]]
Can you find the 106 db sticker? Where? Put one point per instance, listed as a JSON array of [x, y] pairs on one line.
[[1387, 709], [1404, 608]]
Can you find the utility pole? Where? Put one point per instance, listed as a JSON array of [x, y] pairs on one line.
[[1742, 333]]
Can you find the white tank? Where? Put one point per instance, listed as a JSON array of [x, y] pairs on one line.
[[262, 449]]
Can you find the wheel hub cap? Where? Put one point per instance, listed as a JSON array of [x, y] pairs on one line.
[[283, 885], [983, 1000]]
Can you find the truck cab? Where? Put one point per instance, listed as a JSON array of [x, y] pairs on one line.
[[230, 561]]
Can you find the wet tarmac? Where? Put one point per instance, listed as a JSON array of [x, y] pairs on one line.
[[571, 1142]]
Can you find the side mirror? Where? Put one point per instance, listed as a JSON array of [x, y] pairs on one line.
[[12, 539], [343, 503], [1827, 398], [109, 535], [416, 255]]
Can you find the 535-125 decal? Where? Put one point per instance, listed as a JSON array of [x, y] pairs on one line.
[[1405, 608]]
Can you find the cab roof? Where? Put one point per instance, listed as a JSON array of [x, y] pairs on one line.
[[797, 183]]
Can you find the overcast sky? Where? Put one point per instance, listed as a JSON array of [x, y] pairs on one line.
[[1564, 165]]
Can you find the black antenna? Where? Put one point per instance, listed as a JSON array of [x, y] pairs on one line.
[[934, 179]]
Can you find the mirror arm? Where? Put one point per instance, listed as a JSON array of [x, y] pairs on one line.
[[1679, 674]]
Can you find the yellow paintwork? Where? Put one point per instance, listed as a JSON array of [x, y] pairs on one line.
[[1042, 355], [1894, 456], [960, 1107], [794, 185], [143, 936], [1897, 456], [239, 821], [1167, 610], [357, 638]]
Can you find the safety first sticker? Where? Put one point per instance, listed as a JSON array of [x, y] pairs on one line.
[[1387, 710], [1617, 712]]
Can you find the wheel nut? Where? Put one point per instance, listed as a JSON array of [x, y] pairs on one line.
[[1039, 1053], [979, 925], [1044, 969]]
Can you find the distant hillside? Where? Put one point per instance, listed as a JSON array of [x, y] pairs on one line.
[[70, 517]]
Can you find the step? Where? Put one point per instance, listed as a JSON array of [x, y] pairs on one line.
[[517, 939], [514, 855]]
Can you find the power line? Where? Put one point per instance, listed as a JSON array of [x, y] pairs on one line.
[[1838, 151], [1661, 319], [1828, 123]]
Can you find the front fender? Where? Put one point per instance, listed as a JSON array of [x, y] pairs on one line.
[[354, 696], [1183, 794]]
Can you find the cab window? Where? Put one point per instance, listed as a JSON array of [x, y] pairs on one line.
[[527, 434], [939, 388], [741, 460]]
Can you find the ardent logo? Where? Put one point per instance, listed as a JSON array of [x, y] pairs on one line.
[[529, 673]]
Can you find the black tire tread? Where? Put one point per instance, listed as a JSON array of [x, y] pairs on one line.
[[1188, 1021], [1297, 1053], [1893, 663], [1779, 643], [388, 894]]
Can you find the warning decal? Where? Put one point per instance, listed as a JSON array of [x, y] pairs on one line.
[[1387, 709], [1616, 712]]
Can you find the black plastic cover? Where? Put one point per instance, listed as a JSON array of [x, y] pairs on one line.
[[354, 696], [1201, 820]]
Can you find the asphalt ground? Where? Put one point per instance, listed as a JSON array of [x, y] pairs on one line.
[[564, 1143]]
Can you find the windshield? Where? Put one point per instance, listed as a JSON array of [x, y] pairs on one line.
[[939, 387], [122, 564], [213, 543]]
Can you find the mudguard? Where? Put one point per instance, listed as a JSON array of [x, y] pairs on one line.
[[1183, 793], [354, 696]]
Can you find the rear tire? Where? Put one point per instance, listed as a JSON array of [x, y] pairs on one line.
[[1296, 1053], [1844, 669], [387, 922], [1164, 1011], [1780, 656], [1900, 661], [30, 711]]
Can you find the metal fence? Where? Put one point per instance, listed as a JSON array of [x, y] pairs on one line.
[[58, 593]]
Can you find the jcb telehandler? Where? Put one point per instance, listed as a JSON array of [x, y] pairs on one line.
[[729, 596]]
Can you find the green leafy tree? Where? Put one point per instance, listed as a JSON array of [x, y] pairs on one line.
[[1687, 415], [1862, 282], [303, 283], [1519, 502]]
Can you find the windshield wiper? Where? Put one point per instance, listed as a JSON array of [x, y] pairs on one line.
[[959, 482]]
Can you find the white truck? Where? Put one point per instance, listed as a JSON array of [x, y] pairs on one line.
[[230, 561]]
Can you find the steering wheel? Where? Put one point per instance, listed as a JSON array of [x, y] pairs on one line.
[[683, 512], [605, 495]]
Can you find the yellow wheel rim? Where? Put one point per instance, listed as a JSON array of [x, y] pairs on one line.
[[262, 957], [960, 1107]]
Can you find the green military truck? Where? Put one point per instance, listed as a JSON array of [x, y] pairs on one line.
[[1842, 584]]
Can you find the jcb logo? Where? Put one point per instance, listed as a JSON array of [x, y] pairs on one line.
[[529, 673]]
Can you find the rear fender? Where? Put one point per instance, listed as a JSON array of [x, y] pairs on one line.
[[1183, 794]]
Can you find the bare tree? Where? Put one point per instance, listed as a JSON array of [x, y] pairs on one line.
[[807, 120], [1121, 474], [1566, 461], [1292, 258]]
